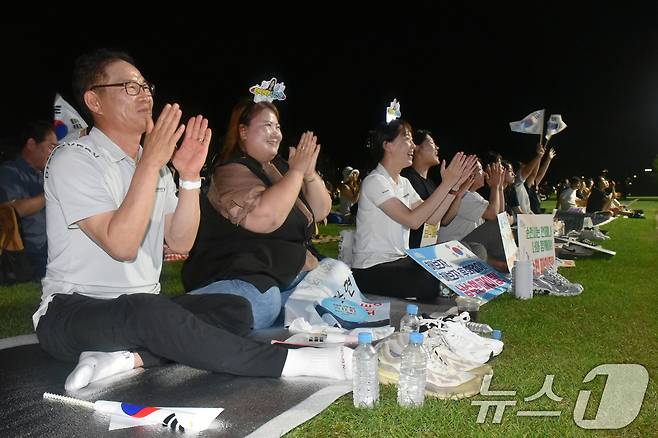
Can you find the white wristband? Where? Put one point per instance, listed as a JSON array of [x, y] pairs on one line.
[[189, 185]]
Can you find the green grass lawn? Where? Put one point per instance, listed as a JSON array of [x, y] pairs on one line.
[[613, 321]]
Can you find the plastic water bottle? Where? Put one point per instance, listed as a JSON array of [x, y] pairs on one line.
[[410, 322], [413, 372], [479, 328], [484, 330], [522, 279], [365, 382]]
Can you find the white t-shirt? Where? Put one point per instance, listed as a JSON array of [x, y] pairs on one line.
[[568, 199], [378, 238], [468, 218], [522, 195], [82, 179]]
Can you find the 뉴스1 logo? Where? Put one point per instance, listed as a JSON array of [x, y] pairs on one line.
[[621, 400]]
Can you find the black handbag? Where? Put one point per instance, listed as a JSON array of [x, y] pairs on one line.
[[15, 267]]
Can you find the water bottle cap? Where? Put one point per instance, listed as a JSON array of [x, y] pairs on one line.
[[365, 338], [416, 338], [496, 334], [412, 309]]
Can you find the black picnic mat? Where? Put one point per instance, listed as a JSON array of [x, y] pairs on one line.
[[26, 372]]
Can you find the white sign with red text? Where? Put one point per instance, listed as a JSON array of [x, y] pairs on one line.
[[460, 270]]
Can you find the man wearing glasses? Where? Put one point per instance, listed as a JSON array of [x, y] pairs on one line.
[[21, 184], [111, 204]]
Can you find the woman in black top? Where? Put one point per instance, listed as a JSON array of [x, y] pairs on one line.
[[259, 215]]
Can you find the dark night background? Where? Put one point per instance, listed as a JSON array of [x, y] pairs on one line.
[[464, 72]]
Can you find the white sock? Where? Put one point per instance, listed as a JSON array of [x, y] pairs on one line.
[[96, 365], [334, 363]]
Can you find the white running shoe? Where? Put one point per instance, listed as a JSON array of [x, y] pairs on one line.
[[443, 380], [451, 339], [459, 324], [555, 284], [440, 354]]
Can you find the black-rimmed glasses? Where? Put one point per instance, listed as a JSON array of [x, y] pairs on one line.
[[132, 88]]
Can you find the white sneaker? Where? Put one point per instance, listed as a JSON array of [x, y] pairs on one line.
[[443, 380], [555, 284], [458, 325], [440, 354], [454, 341], [593, 234]]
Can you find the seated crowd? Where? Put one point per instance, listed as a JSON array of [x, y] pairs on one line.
[[583, 196], [248, 235]]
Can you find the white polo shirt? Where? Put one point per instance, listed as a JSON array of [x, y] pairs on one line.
[[82, 179], [378, 238]]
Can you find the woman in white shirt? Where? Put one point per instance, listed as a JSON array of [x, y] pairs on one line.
[[389, 207]]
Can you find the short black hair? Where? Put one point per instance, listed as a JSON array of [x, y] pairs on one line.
[[491, 157], [89, 69], [38, 130], [420, 135]]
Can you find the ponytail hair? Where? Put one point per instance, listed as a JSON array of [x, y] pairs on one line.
[[383, 133]]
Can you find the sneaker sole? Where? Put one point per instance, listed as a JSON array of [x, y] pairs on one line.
[[561, 294], [390, 374], [388, 377], [465, 390]]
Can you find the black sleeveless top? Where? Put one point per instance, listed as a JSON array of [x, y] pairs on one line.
[[225, 251]]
